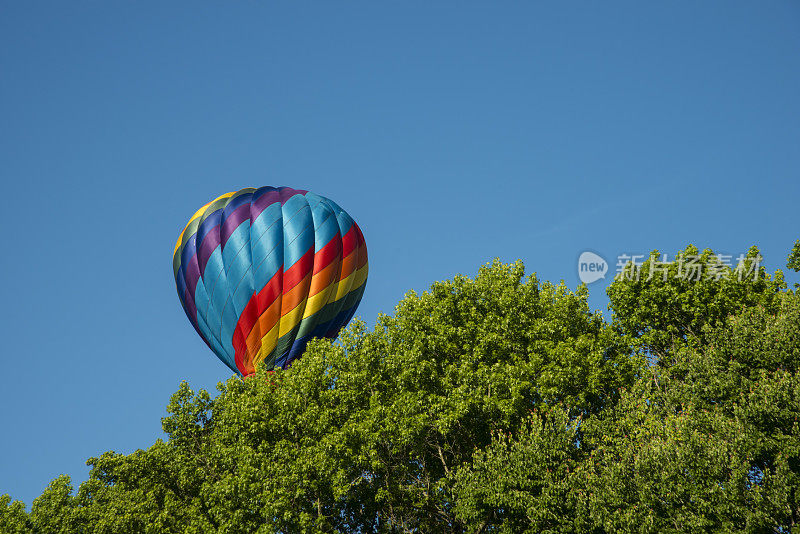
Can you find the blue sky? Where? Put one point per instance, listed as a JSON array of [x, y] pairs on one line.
[[453, 132]]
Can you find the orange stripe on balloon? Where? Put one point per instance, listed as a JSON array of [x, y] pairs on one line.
[[323, 283], [256, 341], [349, 264], [324, 277], [265, 323], [295, 296]]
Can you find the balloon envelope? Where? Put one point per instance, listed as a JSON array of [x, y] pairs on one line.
[[261, 271]]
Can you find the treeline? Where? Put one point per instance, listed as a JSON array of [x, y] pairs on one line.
[[490, 404]]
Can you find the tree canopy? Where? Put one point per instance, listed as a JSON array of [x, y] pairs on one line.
[[498, 403]]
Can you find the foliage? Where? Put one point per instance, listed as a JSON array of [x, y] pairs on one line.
[[13, 519], [661, 304], [523, 482], [709, 444], [487, 404], [793, 262]]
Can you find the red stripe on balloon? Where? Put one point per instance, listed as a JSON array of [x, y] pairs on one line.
[[247, 319], [255, 307], [297, 272], [349, 241], [362, 247], [328, 253]]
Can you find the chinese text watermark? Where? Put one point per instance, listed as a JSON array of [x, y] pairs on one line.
[[691, 267]]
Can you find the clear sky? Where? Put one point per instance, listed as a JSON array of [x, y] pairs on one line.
[[453, 132]]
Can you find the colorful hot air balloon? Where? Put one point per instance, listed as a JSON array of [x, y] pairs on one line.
[[261, 271]]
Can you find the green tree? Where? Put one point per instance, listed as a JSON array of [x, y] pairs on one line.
[[523, 482], [487, 404], [13, 519], [366, 435], [661, 304], [793, 261], [706, 441], [710, 443]]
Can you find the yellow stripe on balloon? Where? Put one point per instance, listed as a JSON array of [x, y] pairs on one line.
[[290, 319], [353, 281], [268, 343], [343, 287], [197, 214], [361, 277], [358, 278], [226, 195], [318, 301]]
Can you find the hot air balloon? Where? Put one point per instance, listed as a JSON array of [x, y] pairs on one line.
[[259, 272]]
